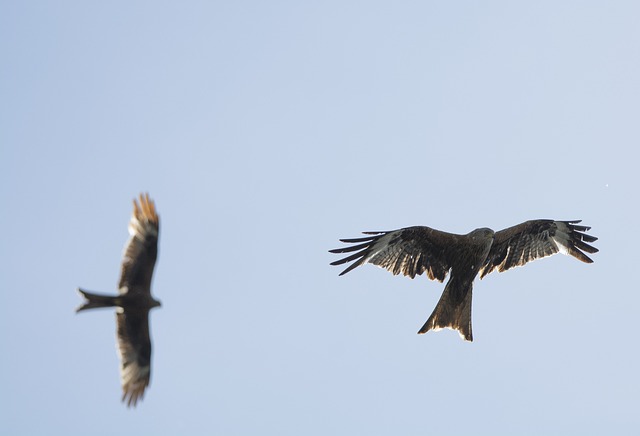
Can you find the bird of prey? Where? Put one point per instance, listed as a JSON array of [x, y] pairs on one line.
[[134, 300], [416, 250]]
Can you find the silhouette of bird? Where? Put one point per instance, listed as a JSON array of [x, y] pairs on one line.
[[416, 250], [134, 300]]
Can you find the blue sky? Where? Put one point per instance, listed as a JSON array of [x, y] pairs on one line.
[[265, 131]]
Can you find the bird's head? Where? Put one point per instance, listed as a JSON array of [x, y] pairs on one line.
[[482, 234]]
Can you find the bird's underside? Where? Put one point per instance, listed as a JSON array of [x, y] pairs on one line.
[[420, 250]]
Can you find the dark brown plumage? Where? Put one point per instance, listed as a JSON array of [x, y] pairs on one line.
[[416, 250], [134, 300]]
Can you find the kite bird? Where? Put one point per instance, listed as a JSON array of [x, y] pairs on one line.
[[416, 250], [134, 300]]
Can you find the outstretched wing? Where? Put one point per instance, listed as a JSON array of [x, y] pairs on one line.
[[134, 347], [536, 239], [410, 251], [141, 250]]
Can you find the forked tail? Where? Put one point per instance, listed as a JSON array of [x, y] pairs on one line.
[[94, 301], [453, 310]]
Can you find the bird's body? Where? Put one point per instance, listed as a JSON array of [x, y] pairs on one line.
[[416, 250], [134, 300]]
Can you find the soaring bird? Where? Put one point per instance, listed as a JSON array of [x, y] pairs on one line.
[[416, 250], [134, 300]]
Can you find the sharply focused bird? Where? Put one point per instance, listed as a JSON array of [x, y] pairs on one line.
[[134, 300], [416, 250]]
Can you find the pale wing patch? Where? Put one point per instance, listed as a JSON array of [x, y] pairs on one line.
[[134, 380], [562, 238], [571, 240], [391, 255]]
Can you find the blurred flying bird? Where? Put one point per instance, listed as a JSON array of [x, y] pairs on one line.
[[134, 300], [416, 250]]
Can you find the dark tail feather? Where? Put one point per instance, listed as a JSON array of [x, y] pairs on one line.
[[95, 300], [452, 311]]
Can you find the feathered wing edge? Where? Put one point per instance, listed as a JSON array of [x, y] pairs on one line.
[[537, 239], [573, 239], [143, 215], [363, 247], [410, 251]]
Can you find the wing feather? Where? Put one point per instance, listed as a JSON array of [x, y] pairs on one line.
[[141, 250], [536, 239], [409, 251], [134, 348]]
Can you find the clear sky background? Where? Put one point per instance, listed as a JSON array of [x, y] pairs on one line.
[[265, 131]]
